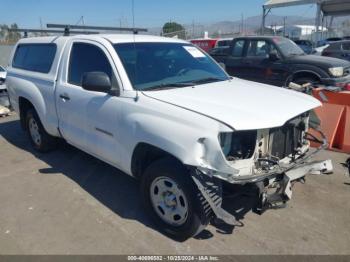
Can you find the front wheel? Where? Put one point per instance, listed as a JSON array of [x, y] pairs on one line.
[[39, 138], [173, 201], [306, 80]]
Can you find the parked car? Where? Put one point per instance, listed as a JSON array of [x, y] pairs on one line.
[[219, 51], [328, 41], [206, 44], [223, 42], [2, 76], [333, 39], [4, 101], [305, 45], [340, 49], [279, 61], [164, 112]]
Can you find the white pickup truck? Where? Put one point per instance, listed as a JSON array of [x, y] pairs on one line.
[[164, 112]]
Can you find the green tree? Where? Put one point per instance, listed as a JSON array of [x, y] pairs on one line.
[[13, 37], [171, 29], [3, 32]]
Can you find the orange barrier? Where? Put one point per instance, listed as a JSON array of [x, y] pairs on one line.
[[335, 118], [338, 98]]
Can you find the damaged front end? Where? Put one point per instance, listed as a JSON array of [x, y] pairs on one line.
[[271, 159]]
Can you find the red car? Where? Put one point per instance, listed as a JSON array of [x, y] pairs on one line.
[[206, 44]]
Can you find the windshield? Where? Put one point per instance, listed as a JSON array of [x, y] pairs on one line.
[[2, 69], [288, 47], [153, 66]]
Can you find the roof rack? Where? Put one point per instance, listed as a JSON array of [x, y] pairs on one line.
[[26, 31], [68, 27]]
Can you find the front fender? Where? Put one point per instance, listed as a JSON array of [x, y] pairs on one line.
[[301, 68], [188, 136]]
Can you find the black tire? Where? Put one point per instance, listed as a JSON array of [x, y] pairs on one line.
[[199, 213], [305, 80], [47, 142]]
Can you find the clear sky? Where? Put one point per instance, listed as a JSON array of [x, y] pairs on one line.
[[148, 13]]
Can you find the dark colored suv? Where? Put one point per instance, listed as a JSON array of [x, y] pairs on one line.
[[340, 49], [306, 45], [279, 61]]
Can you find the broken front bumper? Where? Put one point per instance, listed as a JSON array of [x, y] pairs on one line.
[[283, 184], [274, 187], [279, 184]]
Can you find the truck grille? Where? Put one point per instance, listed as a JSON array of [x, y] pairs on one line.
[[286, 140]]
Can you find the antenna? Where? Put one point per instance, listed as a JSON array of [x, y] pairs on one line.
[[133, 25], [133, 13]]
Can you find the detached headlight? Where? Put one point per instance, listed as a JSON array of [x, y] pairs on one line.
[[336, 71], [238, 145]]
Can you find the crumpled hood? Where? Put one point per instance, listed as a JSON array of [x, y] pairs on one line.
[[241, 104]]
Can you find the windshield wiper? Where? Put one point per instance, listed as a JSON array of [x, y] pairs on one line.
[[165, 86], [296, 54], [207, 80]]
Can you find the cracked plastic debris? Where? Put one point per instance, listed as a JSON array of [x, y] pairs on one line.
[[4, 111]]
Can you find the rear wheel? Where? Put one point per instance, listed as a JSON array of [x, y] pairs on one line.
[[173, 201], [39, 138]]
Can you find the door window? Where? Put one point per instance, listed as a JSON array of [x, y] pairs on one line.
[[237, 50], [87, 58], [346, 46], [34, 57], [260, 48]]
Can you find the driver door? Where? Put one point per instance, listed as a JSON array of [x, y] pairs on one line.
[[88, 119], [260, 67]]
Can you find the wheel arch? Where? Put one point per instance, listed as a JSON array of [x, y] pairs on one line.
[[23, 106], [303, 73], [145, 154]]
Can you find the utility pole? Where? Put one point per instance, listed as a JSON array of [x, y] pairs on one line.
[[284, 26], [41, 25], [192, 28], [242, 24], [272, 29]]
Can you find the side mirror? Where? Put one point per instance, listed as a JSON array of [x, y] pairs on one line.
[[273, 56], [96, 81]]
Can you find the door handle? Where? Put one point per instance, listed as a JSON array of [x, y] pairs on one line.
[[65, 97]]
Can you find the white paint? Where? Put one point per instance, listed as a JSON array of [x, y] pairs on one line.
[[184, 122], [241, 104]]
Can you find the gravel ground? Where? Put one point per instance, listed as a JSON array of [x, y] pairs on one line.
[[67, 202]]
